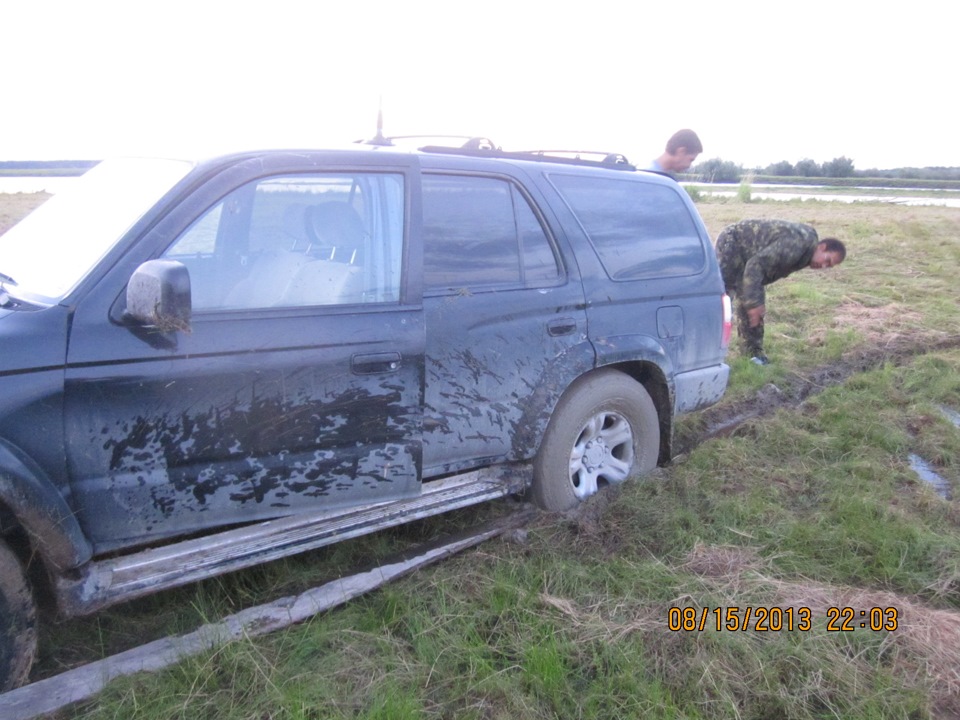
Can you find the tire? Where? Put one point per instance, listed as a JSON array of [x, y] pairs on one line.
[[18, 629], [604, 429]]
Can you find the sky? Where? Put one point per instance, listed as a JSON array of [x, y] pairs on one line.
[[760, 82]]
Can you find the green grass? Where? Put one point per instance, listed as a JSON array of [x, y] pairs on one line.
[[811, 505]]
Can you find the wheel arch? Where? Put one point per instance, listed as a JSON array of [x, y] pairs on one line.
[[30, 502]]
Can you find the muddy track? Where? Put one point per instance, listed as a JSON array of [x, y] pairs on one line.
[[722, 420]]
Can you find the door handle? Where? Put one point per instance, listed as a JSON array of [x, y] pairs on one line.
[[369, 364]]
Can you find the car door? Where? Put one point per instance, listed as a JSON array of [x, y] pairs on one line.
[[298, 385], [656, 267], [506, 326]]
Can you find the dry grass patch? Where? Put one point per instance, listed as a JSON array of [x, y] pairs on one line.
[[924, 649], [15, 206], [878, 326]]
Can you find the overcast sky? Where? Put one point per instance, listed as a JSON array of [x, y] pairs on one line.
[[875, 81]]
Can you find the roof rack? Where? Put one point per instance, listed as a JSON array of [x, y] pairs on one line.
[[484, 147], [588, 156], [467, 142], [614, 161]]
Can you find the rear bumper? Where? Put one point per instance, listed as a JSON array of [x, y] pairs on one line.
[[699, 388]]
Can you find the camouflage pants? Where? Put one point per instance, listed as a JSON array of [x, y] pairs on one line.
[[751, 338], [731, 266]]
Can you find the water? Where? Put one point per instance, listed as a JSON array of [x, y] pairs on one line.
[[29, 184], [951, 415], [922, 468], [808, 192]]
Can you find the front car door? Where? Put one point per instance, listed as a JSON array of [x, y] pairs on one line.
[[298, 385]]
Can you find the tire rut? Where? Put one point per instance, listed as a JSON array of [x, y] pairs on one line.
[[722, 420]]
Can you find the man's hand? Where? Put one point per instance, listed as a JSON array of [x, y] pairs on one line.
[[756, 315]]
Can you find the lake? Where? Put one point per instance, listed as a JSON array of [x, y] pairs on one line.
[[945, 198]]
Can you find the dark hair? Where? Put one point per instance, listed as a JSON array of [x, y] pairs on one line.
[[832, 245], [684, 138]]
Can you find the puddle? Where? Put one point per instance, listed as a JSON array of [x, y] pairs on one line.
[[922, 468], [951, 415]]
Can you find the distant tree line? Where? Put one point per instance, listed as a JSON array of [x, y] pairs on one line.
[[721, 171]]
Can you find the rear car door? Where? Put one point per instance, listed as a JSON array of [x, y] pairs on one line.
[[298, 385], [657, 276], [506, 326]]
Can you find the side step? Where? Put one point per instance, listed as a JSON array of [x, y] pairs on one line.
[[107, 582]]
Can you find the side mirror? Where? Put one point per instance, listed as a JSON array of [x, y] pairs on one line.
[[158, 295]]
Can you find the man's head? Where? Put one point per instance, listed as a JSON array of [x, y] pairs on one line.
[[682, 149], [828, 253]]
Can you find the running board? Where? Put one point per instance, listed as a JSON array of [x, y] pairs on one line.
[[107, 582]]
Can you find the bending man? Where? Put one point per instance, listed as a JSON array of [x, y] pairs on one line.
[[755, 253]]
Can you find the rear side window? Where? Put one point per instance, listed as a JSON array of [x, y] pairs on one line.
[[640, 230], [482, 231]]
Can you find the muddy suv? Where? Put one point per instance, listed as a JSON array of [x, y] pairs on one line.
[[269, 352]]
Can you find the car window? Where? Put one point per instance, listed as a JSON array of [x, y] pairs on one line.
[[482, 231], [640, 230], [298, 240]]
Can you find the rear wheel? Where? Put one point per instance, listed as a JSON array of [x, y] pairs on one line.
[[605, 429], [18, 630]]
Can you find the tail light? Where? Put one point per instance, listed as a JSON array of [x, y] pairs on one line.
[[727, 321]]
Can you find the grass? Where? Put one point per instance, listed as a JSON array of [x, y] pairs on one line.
[[808, 505]]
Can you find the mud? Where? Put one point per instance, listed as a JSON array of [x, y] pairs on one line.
[[723, 420], [18, 629]]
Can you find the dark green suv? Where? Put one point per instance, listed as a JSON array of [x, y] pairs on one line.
[[272, 351]]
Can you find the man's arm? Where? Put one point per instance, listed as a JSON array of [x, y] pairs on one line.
[[772, 263]]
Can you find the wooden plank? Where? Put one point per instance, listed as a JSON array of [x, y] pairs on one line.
[[51, 694]]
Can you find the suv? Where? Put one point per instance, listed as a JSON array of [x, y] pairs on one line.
[[269, 352]]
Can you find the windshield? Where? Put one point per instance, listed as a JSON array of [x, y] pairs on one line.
[[50, 250]]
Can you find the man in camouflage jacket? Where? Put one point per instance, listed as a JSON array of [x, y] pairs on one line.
[[755, 253]]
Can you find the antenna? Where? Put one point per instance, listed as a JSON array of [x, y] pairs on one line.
[[379, 139]]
